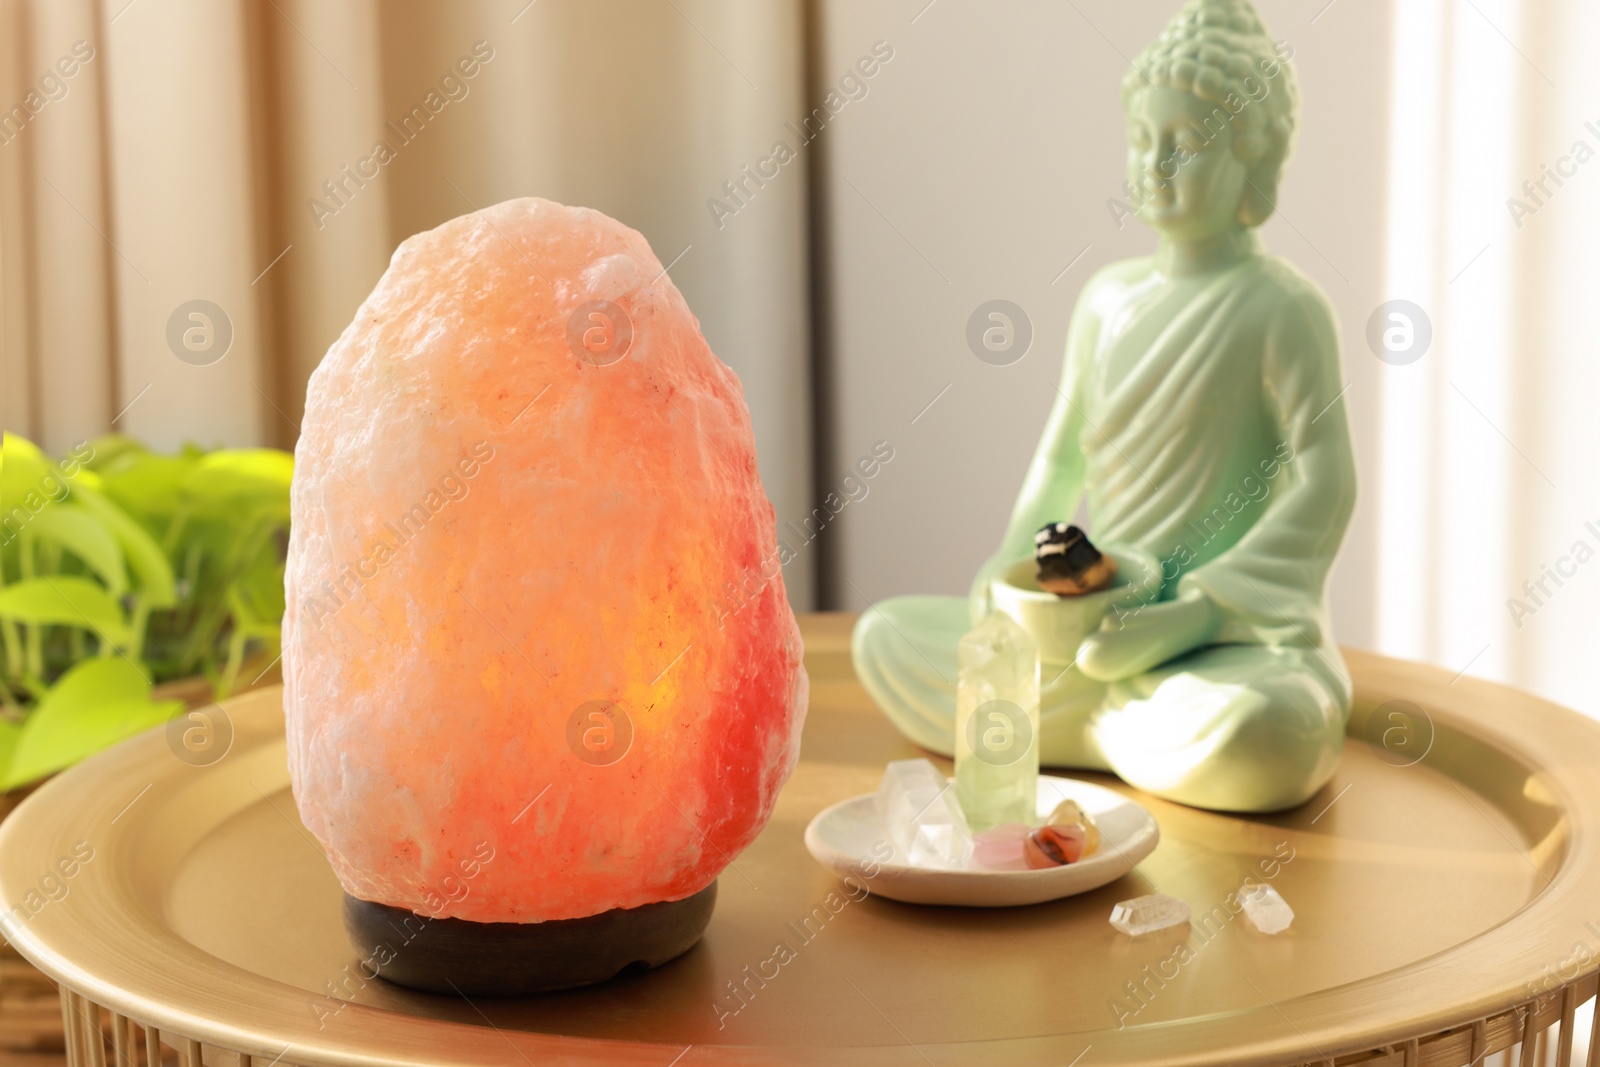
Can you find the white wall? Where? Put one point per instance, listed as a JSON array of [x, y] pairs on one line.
[[978, 166]]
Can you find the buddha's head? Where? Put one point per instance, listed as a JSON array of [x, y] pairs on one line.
[[1211, 114]]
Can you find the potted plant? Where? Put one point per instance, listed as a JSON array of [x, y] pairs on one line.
[[131, 585], [122, 574]]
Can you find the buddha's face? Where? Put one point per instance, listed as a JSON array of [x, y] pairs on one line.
[[1181, 160]]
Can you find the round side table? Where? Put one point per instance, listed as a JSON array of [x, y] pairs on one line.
[[1443, 886]]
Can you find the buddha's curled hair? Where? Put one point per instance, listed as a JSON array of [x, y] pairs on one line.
[[1219, 51]]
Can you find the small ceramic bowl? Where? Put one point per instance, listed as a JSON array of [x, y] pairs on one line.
[[849, 836], [1059, 624]]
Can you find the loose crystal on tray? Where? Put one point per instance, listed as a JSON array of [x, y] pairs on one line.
[[1265, 907], [919, 807], [1147, 914]]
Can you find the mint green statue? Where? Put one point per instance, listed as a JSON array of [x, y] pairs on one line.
[[1199, 420]]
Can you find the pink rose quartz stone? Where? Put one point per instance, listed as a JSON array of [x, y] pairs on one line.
[[999, 848], [489, 533]]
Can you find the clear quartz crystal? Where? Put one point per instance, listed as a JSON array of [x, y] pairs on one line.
[[920, 809], [1265, 907], [997, 724], [1143, 915]]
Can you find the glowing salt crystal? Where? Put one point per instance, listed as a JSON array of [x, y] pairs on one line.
[[922, 814], [1147, 914], [535, 607], [1265, 907]]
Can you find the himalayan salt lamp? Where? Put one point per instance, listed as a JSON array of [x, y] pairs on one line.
[[526, 719]]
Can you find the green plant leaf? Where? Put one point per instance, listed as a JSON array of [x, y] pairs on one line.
[[10, 733], [260, 583], [234, 476], [107, 449], [94, 705], [68, 601], [28, 481], [149, 563], [150, 487], [86, 536], [19, 458]]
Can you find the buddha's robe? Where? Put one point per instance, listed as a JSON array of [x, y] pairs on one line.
[[1200, 419]]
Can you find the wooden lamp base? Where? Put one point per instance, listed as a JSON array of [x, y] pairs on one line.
[[516, 959]]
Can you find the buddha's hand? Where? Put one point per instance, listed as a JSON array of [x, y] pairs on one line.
[[1124, 647]]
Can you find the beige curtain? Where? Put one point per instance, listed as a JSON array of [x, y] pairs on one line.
[[158, 152]]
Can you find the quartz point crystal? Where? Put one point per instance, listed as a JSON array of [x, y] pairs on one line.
[[1147, 914], [997, 724], [1265, 907], [920, 809], [505, 539]]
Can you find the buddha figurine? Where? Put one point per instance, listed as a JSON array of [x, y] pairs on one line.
[[1199, 422]]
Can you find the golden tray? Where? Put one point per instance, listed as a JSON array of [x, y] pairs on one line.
[[1444, 884]]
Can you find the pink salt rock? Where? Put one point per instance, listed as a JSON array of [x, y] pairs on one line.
[[526, 677]]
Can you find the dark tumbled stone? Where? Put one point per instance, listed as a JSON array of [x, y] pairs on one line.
[[1069, 564]]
